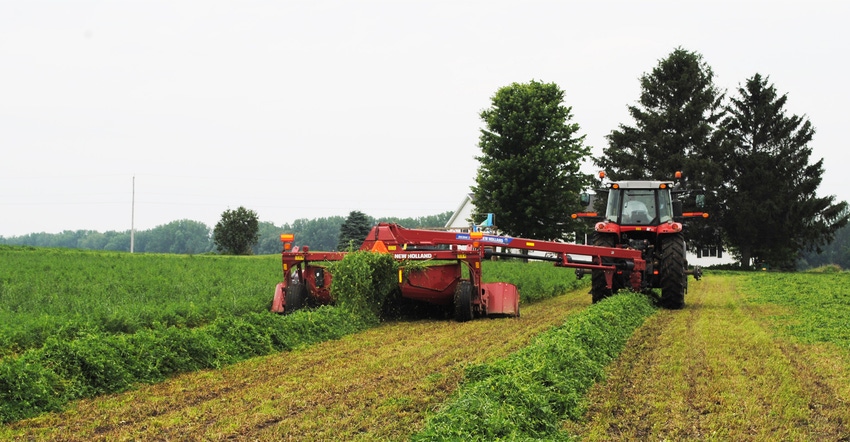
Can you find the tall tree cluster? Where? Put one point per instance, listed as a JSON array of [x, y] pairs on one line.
[[745, 155], [529, 173], [751, 159], [675, 129]]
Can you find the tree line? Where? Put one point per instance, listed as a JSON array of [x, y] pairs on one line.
[[194, 237]]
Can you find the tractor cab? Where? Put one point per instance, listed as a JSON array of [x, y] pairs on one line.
[[639, 203]]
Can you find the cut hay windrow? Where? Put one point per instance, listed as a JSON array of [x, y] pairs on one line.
[[528, 394], [47, 378]]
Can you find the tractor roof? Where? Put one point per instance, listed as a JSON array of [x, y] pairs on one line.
[[642, 184]]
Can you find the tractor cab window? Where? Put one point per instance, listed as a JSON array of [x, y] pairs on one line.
[[665, 206], [612, 213], [639, 207]]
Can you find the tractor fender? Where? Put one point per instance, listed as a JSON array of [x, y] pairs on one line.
[[671, 227]]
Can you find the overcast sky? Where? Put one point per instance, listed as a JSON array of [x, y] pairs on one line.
[[307, 109]]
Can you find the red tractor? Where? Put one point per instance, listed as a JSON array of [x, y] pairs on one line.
[[645, 216]]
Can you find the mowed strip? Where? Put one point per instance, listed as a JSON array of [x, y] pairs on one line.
[[378, 384], [715, 370]]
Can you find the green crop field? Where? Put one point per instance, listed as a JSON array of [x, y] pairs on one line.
[[816, 305], [77, 323], [61, 292], [112, 346]]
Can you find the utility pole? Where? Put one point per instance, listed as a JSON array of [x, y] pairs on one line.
[[133, 217]]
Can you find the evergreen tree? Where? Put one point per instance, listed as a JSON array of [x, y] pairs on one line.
[[676, 129], [529, 168], [774, 213], [353, 231]]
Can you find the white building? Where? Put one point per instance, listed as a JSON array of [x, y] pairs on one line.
[[460, 219]]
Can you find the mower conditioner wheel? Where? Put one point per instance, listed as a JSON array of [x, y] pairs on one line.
[[463, 301], [599, 287], [295, 297]]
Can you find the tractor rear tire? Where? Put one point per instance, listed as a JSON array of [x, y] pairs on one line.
[[673, 277], [295, 297], [463, 301], [599, 287]]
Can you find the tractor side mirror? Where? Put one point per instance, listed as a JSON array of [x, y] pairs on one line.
[[700, 200], [585, 199]]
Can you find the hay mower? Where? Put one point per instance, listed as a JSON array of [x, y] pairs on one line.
[[454, 281]]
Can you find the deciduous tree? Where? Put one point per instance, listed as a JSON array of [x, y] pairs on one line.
[[236, 232], [529, 167], [181, 236]]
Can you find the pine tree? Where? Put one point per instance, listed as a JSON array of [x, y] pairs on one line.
[[675, 129], [353, 231], [774, 213]]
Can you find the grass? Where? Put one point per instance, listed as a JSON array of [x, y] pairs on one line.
[[61, 293], [87, 357], [48, 293], [816, 305], [734, 364], [47, 378], [534, 280]]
